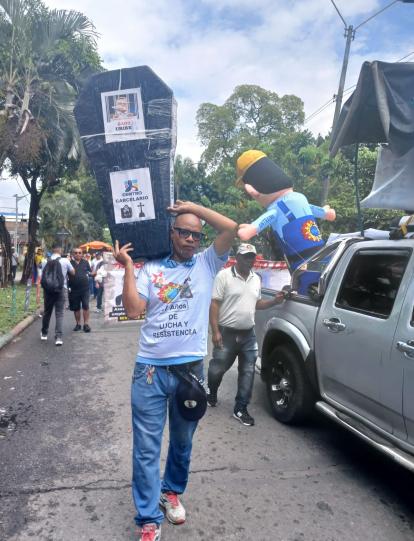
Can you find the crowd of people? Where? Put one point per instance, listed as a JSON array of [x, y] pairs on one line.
[[69, 281]]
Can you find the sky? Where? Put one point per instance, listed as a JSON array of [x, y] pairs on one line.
[[203, 49]]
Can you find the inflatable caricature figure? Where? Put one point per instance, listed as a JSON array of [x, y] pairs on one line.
[[289, 214]]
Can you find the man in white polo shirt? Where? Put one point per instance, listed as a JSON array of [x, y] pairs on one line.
[[236, 297]]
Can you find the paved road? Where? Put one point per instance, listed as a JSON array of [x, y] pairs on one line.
[[65, 458]]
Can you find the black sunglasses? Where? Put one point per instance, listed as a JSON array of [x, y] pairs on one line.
[[186, 233]]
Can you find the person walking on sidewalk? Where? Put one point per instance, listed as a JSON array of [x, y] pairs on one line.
[[79, 290], [175, 292], [96, 261], [99, 284], [14, 262], [54, 283], [235, 299]]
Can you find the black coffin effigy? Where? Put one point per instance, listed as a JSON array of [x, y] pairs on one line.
[[127, 122]]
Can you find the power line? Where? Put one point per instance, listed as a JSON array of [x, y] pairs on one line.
[[346, 91], [25, 195], [406, 56]]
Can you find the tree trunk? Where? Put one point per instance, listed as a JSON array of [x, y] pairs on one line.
[[32, 233], [5, 244]]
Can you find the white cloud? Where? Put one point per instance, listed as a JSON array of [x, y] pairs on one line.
[[203, 52]]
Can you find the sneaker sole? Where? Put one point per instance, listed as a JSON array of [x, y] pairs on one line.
[[211, 405], [176, 522], [240, 420]]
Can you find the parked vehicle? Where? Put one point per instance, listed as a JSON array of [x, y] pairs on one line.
[[347, 345]]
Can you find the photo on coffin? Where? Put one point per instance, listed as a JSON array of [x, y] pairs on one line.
[[123, 115]]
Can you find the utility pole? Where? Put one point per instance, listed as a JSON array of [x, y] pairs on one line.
[[349, 35], [18, 197]]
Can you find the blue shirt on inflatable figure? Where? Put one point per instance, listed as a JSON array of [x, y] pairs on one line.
[[288, 213]]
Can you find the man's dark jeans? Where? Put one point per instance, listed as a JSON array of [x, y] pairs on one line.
[[236, 343], [99, 297], [56, 301]]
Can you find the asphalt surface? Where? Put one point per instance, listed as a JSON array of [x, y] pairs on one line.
[[65, 444]]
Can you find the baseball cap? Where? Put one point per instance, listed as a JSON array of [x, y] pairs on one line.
[[190, 396], [246, 248]]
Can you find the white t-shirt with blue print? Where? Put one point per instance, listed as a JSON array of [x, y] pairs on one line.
[[178, 298]]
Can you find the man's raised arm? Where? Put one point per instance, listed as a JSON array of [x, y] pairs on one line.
[[226, 228]]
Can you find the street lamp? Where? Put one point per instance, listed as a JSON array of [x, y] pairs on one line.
[[18, 197], [350, 35]]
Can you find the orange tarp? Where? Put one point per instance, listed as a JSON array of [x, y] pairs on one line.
[[96, 245]]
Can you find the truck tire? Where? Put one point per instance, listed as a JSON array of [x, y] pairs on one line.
[[288, 389]]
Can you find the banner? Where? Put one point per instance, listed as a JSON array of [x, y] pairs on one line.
[[123, 115], [113, 284]]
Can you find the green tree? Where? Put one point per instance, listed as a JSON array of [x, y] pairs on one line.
[[251, 117], [60, 209], [191, 183], [45, 55], [84, 186]]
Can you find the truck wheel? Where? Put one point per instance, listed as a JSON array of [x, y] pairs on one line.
[[288, 389]]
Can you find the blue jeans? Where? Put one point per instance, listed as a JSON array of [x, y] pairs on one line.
[[241, 344], [153, 391]]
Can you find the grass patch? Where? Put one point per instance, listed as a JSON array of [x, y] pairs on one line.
[[8, 319]]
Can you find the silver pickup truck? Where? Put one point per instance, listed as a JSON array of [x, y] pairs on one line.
[[345, 344]]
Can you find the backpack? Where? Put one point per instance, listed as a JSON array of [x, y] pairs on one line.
[[52, 277]]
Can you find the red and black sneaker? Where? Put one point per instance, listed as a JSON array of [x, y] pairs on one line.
[[150, 532]]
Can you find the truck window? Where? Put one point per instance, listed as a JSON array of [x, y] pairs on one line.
[[305, 278], [372, 280]]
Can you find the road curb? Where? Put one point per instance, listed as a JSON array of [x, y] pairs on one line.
[[19, 328]]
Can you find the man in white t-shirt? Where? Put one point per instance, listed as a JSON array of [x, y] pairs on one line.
[[235, 299], [175, 292], [56, 300]]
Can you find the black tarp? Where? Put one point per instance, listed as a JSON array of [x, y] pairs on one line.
[[127, 122], [380, 110]]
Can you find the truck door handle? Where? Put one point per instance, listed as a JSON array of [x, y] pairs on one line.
[[334, 324], [406, 347]]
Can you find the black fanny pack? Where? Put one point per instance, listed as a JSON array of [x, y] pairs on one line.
[[190, 395]]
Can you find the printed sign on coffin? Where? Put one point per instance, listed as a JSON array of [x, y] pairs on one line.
[[132, 195]]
